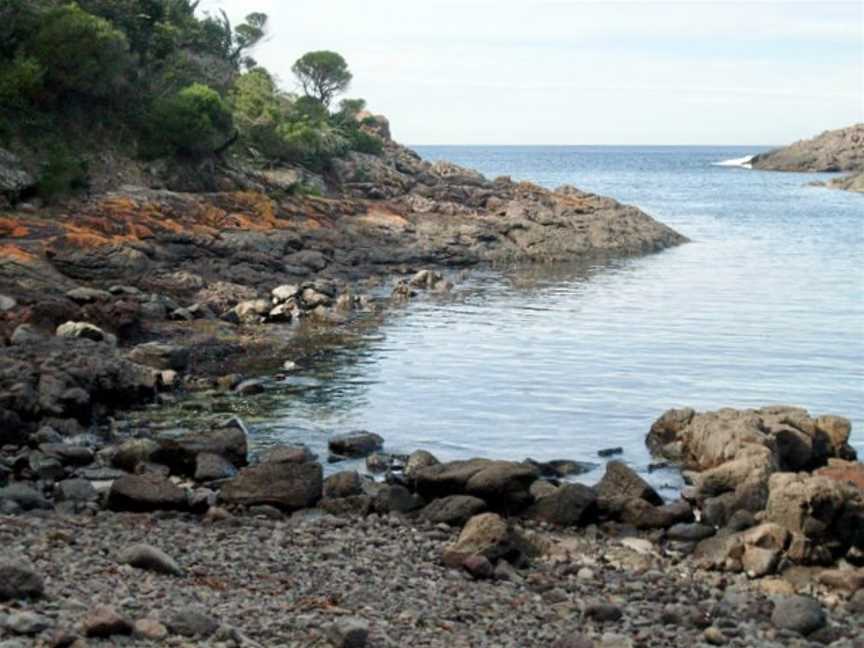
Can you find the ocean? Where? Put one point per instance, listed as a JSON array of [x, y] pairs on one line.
[[764, 306]]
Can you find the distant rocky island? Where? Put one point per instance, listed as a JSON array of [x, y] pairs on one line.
[[840, 150]]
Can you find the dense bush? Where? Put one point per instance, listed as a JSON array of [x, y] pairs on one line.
[[61, 173], [194, 122]]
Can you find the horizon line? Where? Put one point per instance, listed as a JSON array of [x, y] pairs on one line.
[[606, 145]]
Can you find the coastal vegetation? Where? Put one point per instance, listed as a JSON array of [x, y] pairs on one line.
[[159, 80]]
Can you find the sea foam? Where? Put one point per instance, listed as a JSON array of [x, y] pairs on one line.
[[743, 162]]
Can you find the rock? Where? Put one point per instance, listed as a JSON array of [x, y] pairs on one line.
[[18, 580], [486, 534], [569, 505], [179, 449], [250, 387], [449, 478], [26, 623], [86, 331], [800, 614], [68, 454], [191, 622], [287, 454], [454, 510], [149, 629], [7, 303], [75, 490], [378, 462], [610, 452], [503, 484], [417, 460], [834, 150], [479, 567], [351, 505], [642, 515], [541, 488], [285, 292], [104, 621], [348, 632], [603, 612], [845, 472], [149, 558], [14, 178], [213, 467], [283, 313], [143, 493], [160, 355], [26, 334], [343, 484], [397, 499], [132, 452], [758, 562], [693, 532], [285, 485], [850, 580], [574, 641], [622, 481], [714, 636], [82, 295], [355, 444], [24, 496]]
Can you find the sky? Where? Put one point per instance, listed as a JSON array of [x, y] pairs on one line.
[[564, 72]]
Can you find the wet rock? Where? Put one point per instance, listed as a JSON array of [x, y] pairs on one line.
[[250, 387], [287, 454], [610, 452], [285, 485], [355, 444], [417, 460], [104, 621], [378, 462], [149, 558], [454, 510], [450, 478], [349, 632], [18, 580], [179, 449], [800, 614], [343, 484], [569, 505], [503, 484], [213, 467], [160, 355], [143, 493], [621, 481], [191, 622]]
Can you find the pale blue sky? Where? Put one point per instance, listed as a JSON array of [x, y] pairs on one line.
[[585, 72]]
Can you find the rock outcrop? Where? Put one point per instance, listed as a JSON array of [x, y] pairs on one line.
[[835, 150]]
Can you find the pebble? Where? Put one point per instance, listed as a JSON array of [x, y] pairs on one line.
[[150, 558], [351, 632]]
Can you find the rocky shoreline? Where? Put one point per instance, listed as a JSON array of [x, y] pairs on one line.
[[120, 533]]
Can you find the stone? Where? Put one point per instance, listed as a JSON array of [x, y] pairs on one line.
[[132, 452], [82, 295], [25, 334], [640, 514], [149, 629], [690, 532], [486, 534], [68, 454], [285, 485], [160, 355], [355, 444], [144, 493], [250, 387], [714, 636], [454, 510], [287, 454], [84, 330], [18, 580], [343, 484], [149, 558], [610, 452], [191, 622], [348, 632], [758, 562], [569, 505], [449, 478], [503, 484], [285, 292], [75, 490], [479, 567], [104, 621], [417, 460], [849, 579], [603, 612], [622, 481], [179, 449], [26, 623], [541, 488], [24, 496], [213, 467], [845, 472], [395, 498], [800, 614], [7, 303]]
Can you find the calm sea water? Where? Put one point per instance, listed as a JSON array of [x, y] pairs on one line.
[[766, 305]]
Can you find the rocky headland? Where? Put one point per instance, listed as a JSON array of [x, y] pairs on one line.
[[120, 532], [840, 150]]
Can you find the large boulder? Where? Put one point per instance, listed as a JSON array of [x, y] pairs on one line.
[[179, 449], [160, 355], [503, 484], [147, 492], [449, 478], [455, 510], [355, 444], [488, 535], [288, 486], [569, 505], [835, 150], [621, 481]]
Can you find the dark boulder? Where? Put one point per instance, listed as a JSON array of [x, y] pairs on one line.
[[355, 444], [621, 481], [143, 493], [289, 486], [569, 505]]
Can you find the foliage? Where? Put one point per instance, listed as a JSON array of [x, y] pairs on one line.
[[80, 53], [194, 122], [20, 82], [61, 173], [322, 75]]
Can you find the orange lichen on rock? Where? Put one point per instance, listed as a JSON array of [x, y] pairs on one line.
[[15, 253], [10, 228]]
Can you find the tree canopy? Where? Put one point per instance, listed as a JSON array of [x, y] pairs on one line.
[[322, 75]]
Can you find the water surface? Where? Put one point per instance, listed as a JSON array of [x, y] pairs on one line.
[[764, 306]]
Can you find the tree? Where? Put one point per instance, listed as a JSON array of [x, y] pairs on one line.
[[322, 75], [195, 122]]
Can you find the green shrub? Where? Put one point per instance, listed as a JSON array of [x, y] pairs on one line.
[[80, 52], [62, 173], [364, 142], [195, 122], [20, 82]]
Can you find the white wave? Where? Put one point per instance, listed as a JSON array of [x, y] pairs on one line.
[[743, 162]]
